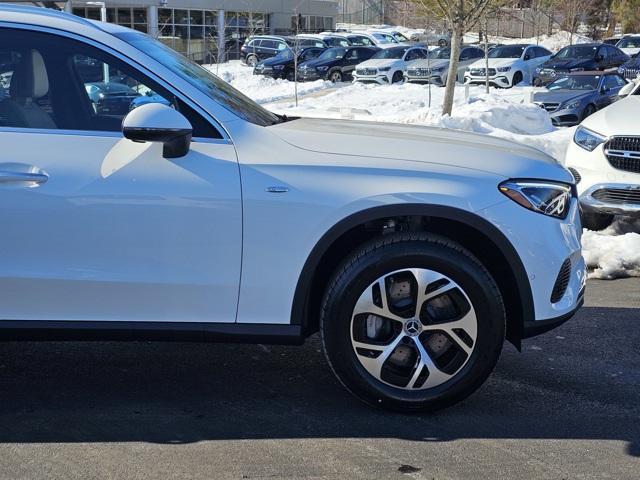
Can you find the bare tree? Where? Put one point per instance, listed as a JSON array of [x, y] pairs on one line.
[[461, 16]]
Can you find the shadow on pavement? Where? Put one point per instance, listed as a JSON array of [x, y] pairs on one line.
[[580, 381]]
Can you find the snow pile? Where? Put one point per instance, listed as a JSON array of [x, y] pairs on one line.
[[614, 252], [406, 31], [260, 88], [552, 42]]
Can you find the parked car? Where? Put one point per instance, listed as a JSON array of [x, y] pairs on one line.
[[330, 40], [572, 97], [604, 157], [110, 98], [306, 40], [509, 65], [283, 64], [380, 40], [612, 40], [335, 64], [388, 65], [397, 36], [629, 44], [578, 58], [414, 251], [260, 47], [630, 69], [435, 69]]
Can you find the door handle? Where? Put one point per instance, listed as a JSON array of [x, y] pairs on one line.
[[22, 177]]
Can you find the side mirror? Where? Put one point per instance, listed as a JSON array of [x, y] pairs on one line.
[[604, 89], [155, 122], [627, 89], [599, 57], [527, 57]]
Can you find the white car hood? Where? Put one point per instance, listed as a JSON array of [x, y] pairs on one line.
[[437, 63], [630, 51], [420, 144], [379, 63], [494, 63], [617, 118]]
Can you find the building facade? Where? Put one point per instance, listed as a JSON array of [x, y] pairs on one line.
[[212, 30]]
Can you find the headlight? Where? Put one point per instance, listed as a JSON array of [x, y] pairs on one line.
[[538, 70], [322, 69], [438, 69], [577, 69], [575, 104], [503, 69], [621, 70], [549, 198], [278, 67], [587, 139], [384, 69]]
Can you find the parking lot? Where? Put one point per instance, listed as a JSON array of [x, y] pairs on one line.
[[567, 407]]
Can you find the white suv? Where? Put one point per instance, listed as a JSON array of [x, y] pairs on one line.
[[605, 160], [183, 210]]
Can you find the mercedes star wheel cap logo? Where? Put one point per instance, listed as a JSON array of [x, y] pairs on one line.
[[412, 327]]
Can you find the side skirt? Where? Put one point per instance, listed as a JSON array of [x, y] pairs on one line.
[[40, 330]]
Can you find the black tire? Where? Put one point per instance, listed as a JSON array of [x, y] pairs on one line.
[[252, 60], [442, 43], [289, 75], [517, 78], [335, 76], [595, 221], [588, 110], [397, 77], [388, 254]]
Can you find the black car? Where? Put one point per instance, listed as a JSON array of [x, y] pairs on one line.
[[261, 47], [572, 97], [578, 58], [283, 64], [631, 69], [335, 64]]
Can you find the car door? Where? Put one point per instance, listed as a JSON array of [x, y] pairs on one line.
[[611, 86], [96, 227], [350, 60], [602, 58]]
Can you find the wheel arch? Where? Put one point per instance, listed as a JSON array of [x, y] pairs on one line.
[[476, 234]]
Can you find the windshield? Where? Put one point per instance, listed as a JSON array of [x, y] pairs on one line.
[[391, 53], [629, 42], [360, 41], [577, 51], [440, 53], [384, 38], [333, 54], [575, 82], [202, 79], [400, 37], [286, 54], [507, 51], [336, 42]]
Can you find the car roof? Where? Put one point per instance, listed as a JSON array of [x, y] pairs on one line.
[[594, 72]]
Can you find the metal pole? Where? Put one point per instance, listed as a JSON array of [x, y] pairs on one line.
[[221, 38]]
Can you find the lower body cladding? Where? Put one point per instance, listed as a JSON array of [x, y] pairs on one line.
[[602, 188], [500, 81], [270, 73], [553, 262], [309, 76], [566, 117]]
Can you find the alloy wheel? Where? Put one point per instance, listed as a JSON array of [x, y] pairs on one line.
[[413, 329]]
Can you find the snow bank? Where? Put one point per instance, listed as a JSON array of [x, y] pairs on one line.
[[552, 42], [260, 88], [614, 252]]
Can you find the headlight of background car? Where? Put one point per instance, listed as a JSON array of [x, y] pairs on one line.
[[587, 139], [384, 69], [503, 69], [575, 104], [549, 198], [538, 70], [278, 67], [322, 69]]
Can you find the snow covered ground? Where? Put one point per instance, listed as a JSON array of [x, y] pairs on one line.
[[504, 113]]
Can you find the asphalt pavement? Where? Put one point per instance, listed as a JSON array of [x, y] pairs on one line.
[[567, 407]]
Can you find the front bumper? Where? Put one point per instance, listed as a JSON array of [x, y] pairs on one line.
[[565, 117], [501, 81], [275, 74], [432, 79], [603, 188], [309, 75], [544, 245], [381, 78]]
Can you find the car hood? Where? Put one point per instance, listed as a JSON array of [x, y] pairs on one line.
[[316, 62], [494, 62], [270, 62], [567, 63], [562, 96], [615, 119], [423, 63], [421, 144], [630, 51], [379, 63]]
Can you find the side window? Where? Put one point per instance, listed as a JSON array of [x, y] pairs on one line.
[[365, 41], [352, 55], [366, 53], [614, 52], [268, 44], [544, 52], [254, 43], [603, 52], [53, 82], [611, 82], [281, 46]]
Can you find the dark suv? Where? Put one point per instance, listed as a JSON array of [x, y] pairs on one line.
[[579, 58], [282, 65], [335, 64], [260, 47]]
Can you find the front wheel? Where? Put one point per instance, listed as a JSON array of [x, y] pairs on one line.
[[517, 78], [335, 76], [412, 322], [595, 221], [252, 60], [588, 111], [397, 77]]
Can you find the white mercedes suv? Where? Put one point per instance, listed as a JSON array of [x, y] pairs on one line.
[[166, 205], [604, 158]]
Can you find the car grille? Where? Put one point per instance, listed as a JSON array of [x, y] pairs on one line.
[[418, 72], [630, 73], [618, 195], [623, 153], [477, 72], [562, 281], [366, 71], [549, 106]]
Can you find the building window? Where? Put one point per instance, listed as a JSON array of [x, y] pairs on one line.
[[311, 23], [135, 18]]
